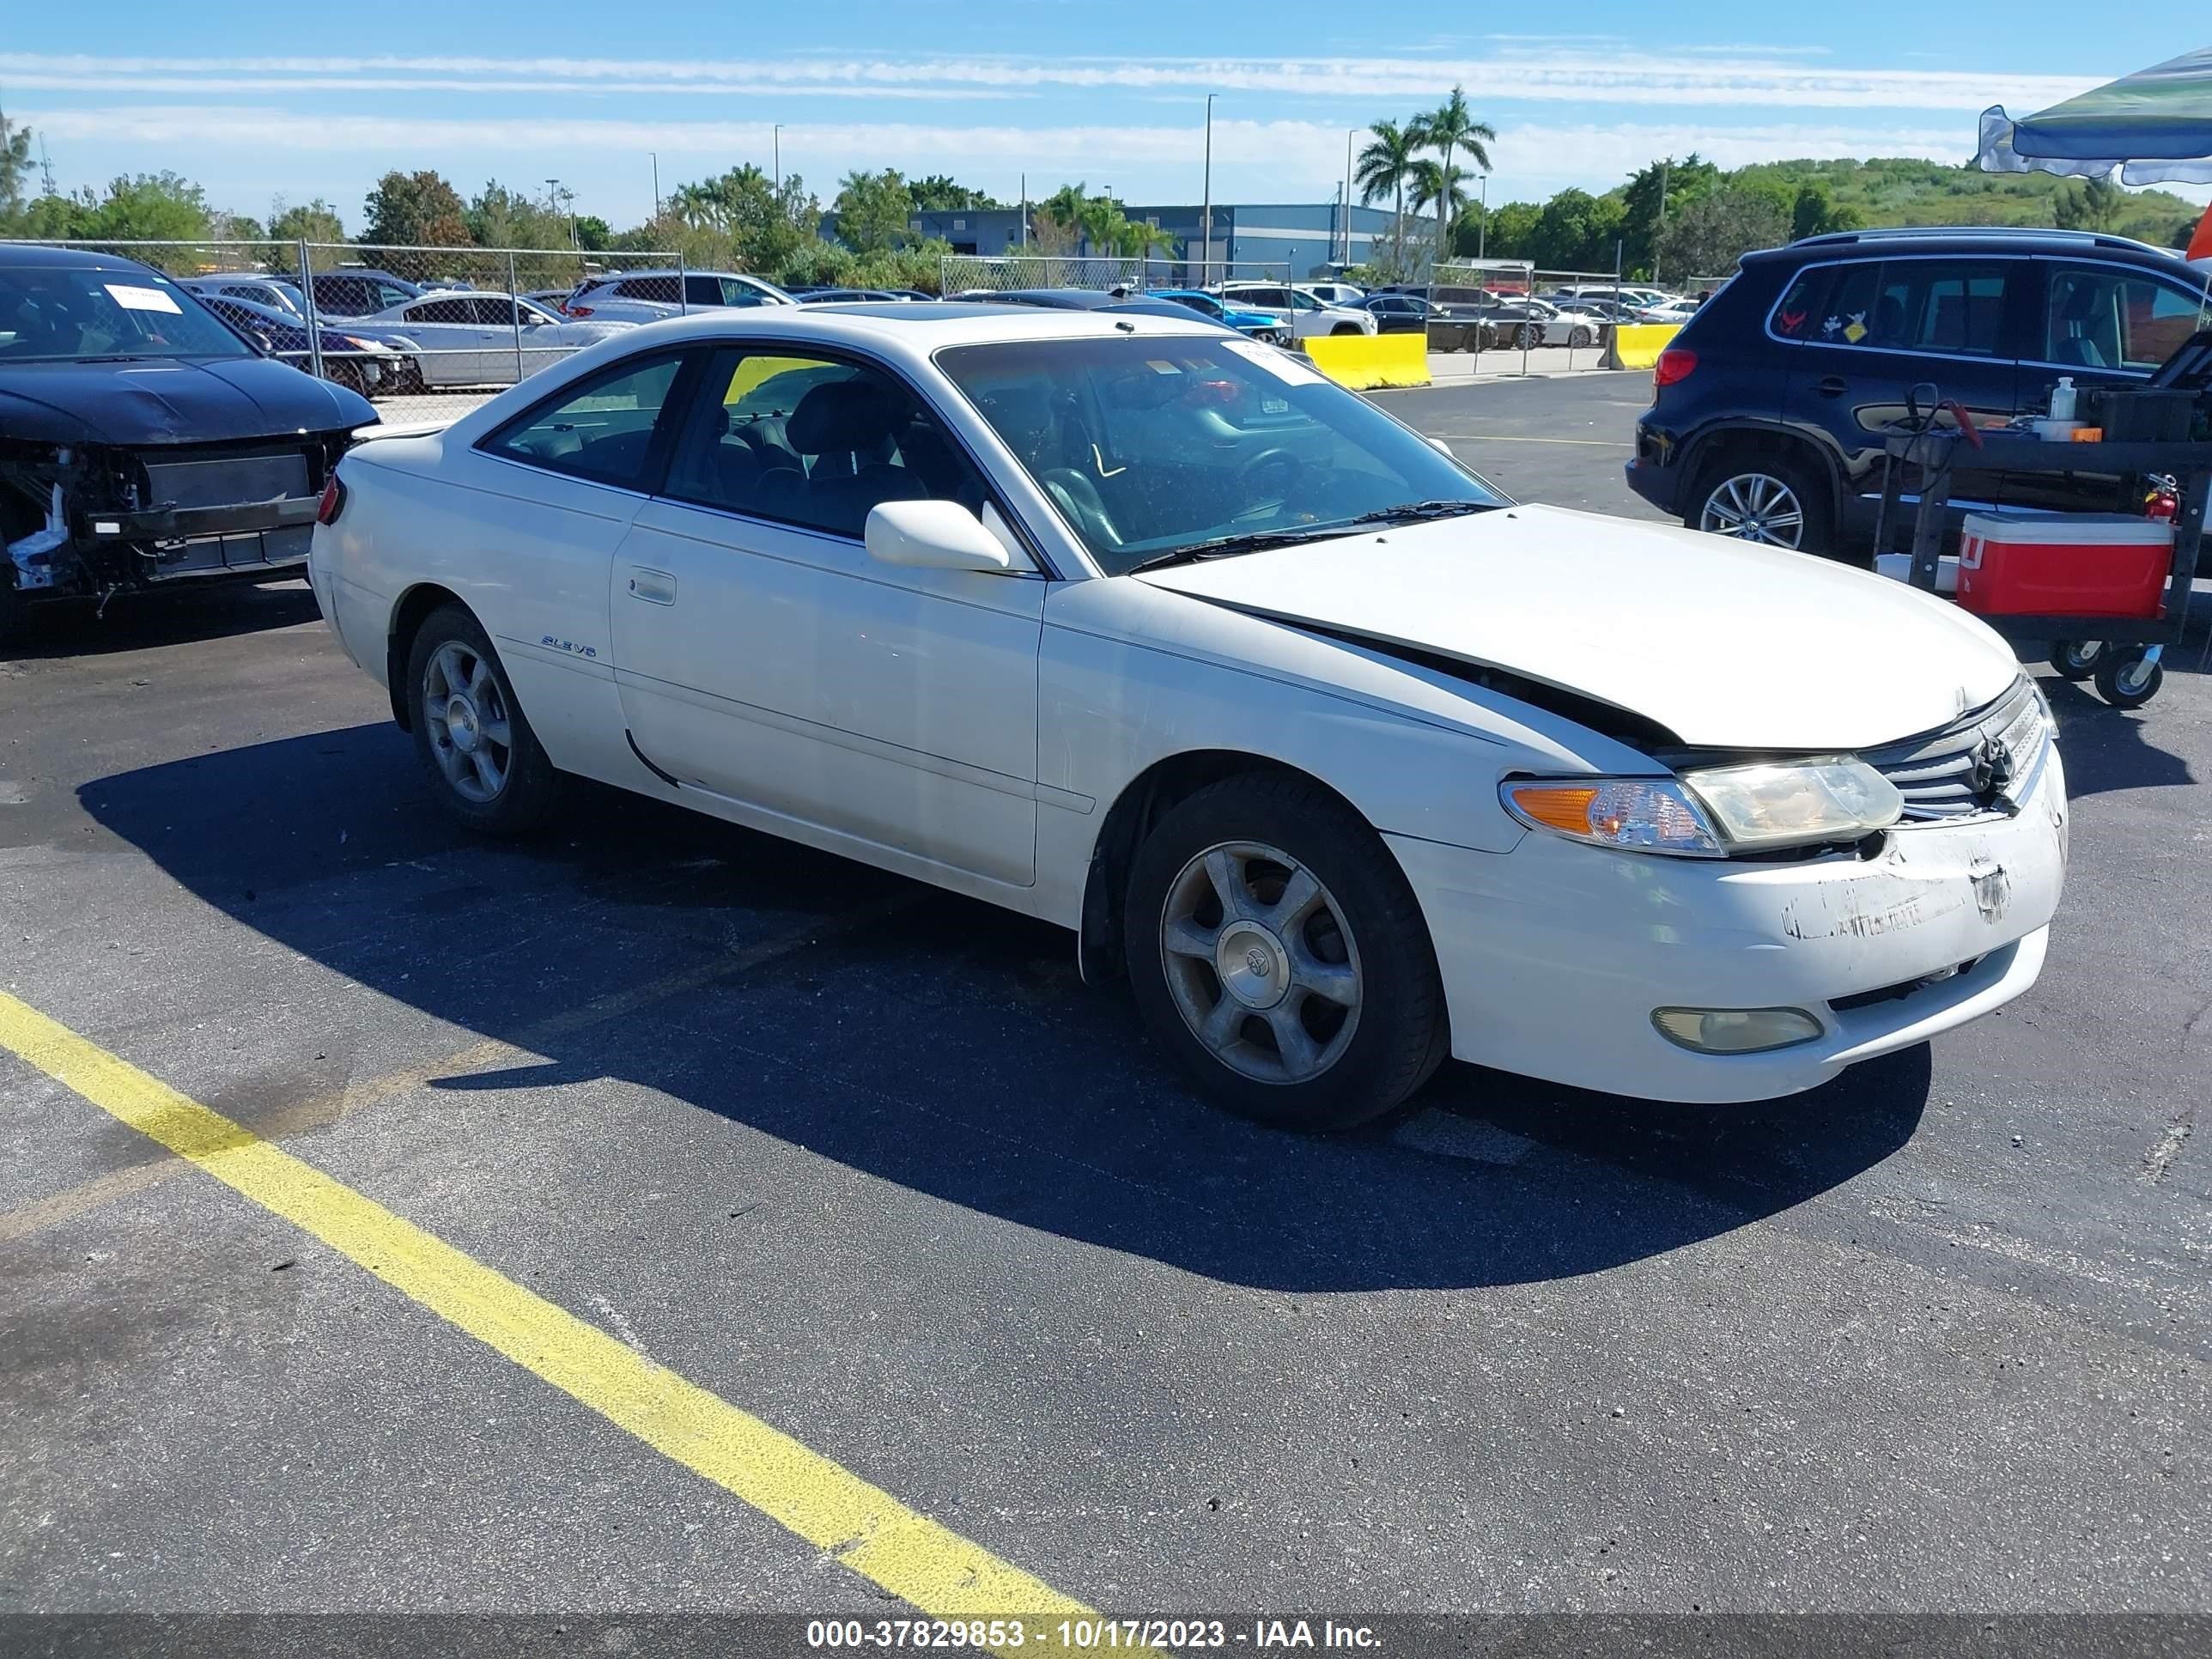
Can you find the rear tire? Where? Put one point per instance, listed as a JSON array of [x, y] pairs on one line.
[[1579, 338], [484, 764], [1765, 491], [1313, 1001]]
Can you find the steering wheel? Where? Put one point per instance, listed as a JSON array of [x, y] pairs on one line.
[[1261, 489]]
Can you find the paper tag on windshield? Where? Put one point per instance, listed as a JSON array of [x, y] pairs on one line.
[[133, 298], [1279, 363]]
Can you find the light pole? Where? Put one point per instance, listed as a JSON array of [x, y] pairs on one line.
[[775, 140], [1482, 225], [656, 181], [1661, 228], [1350, 133], [1206, 212]]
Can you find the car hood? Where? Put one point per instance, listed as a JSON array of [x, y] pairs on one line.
[[1726, 644], [171, 400]]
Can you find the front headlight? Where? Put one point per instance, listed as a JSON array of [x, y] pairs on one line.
[[1714, 813], [1788, 804], [1639, 815]]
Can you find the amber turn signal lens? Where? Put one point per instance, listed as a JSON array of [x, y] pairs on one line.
[[1564, 808]]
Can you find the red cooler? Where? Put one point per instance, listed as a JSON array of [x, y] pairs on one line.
[[2063, 564]]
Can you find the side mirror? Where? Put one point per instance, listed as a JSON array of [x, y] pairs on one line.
[[1443, 448], [268, 346], [935, 536]]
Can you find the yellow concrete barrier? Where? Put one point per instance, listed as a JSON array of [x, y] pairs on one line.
[[1361, 361], [1638, 345]]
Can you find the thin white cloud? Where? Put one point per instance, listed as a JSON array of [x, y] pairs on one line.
[[1306, 156], [1748, 78], [136, 82]]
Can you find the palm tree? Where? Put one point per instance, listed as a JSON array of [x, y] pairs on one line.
[[1384, 167], [1436, 185], [1451, 129]]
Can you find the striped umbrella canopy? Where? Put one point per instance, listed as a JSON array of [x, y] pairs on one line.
[[2154, 125]]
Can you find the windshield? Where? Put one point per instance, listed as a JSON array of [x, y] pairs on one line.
[[1157, 445], [59, 313]]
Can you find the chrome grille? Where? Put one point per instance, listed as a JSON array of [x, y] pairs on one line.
[[1944, 776]]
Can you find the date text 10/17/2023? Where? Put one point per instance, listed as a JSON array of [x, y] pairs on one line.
[[1085, 1635]]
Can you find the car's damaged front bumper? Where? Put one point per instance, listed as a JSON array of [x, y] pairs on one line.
[[1557, 956], [90, 519]]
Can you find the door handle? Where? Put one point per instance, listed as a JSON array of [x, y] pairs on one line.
[[1833, 386], [653, 587]]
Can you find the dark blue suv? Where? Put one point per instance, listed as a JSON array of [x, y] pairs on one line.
[[1767, 421]]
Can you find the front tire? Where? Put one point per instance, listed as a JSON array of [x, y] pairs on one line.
[[484, 764], [1773, 501], [1277, 952], [1579, 339]]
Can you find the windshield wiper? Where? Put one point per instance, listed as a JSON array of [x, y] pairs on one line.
[[1223, 547], [1413, 512]]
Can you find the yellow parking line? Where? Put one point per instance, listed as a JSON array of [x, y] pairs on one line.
[[867, 1529]]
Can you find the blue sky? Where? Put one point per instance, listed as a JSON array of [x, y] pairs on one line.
[[1111, 92]]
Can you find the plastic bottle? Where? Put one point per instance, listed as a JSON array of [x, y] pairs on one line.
[[2062, 398]]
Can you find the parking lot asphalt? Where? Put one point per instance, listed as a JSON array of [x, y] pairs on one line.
[[866, 1163]]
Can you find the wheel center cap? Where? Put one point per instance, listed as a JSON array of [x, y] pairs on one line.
[[1253, 965], [461, 724]]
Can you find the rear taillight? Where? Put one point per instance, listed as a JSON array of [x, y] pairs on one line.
[[333, 502], [575, 311], [1674, 364]]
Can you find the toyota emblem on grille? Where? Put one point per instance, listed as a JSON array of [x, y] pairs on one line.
[[1992, 773]]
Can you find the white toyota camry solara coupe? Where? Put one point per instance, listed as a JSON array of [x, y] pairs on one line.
[[1348, 761]]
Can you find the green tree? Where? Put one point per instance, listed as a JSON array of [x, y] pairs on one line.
[[414, 210], [500, 217], [1577, 231], [593, 233], [1641, 215], [1440, 185], [938, 194], [872, 209], [1385, 168], [1513, 230], [315, 221], [15, 172], [2088, 204], [1450, 130], [1706, 237], [152, 207]]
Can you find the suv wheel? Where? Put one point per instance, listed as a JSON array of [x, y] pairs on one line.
[[1774, 501]]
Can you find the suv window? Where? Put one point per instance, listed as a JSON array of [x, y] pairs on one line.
[[812, 442], [661, 289], [601, 430], [442, 311], [735, 292], [2105, 317], [1956, 306]]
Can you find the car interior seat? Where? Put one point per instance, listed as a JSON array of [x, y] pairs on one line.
[[843, 430]]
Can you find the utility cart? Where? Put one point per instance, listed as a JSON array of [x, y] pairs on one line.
[[2121, 654]]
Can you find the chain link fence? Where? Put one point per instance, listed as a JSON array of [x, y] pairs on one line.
[[425, 333], [1526, 320]]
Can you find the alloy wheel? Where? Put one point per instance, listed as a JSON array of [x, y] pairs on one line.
[[465, 715], [1755, 507], [1261, 962]]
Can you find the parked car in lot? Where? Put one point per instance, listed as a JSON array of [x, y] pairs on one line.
[[847, 296], [648, 296], [1677, 311], [371, 363], [360, 291], [1260, 324], [1335, 292], [1346, 761], [1119, 301], [1447, 328], [1641, 295], [142, 442], [1768, 420], [487, 339], [1603, 309], [1306, 315], [278, 292]]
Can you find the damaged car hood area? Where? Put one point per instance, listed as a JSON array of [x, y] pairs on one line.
[[1724, 644], [164, 401]]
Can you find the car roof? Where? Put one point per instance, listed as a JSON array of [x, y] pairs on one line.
[[66, 259], [1963, 239], [922, 329]]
